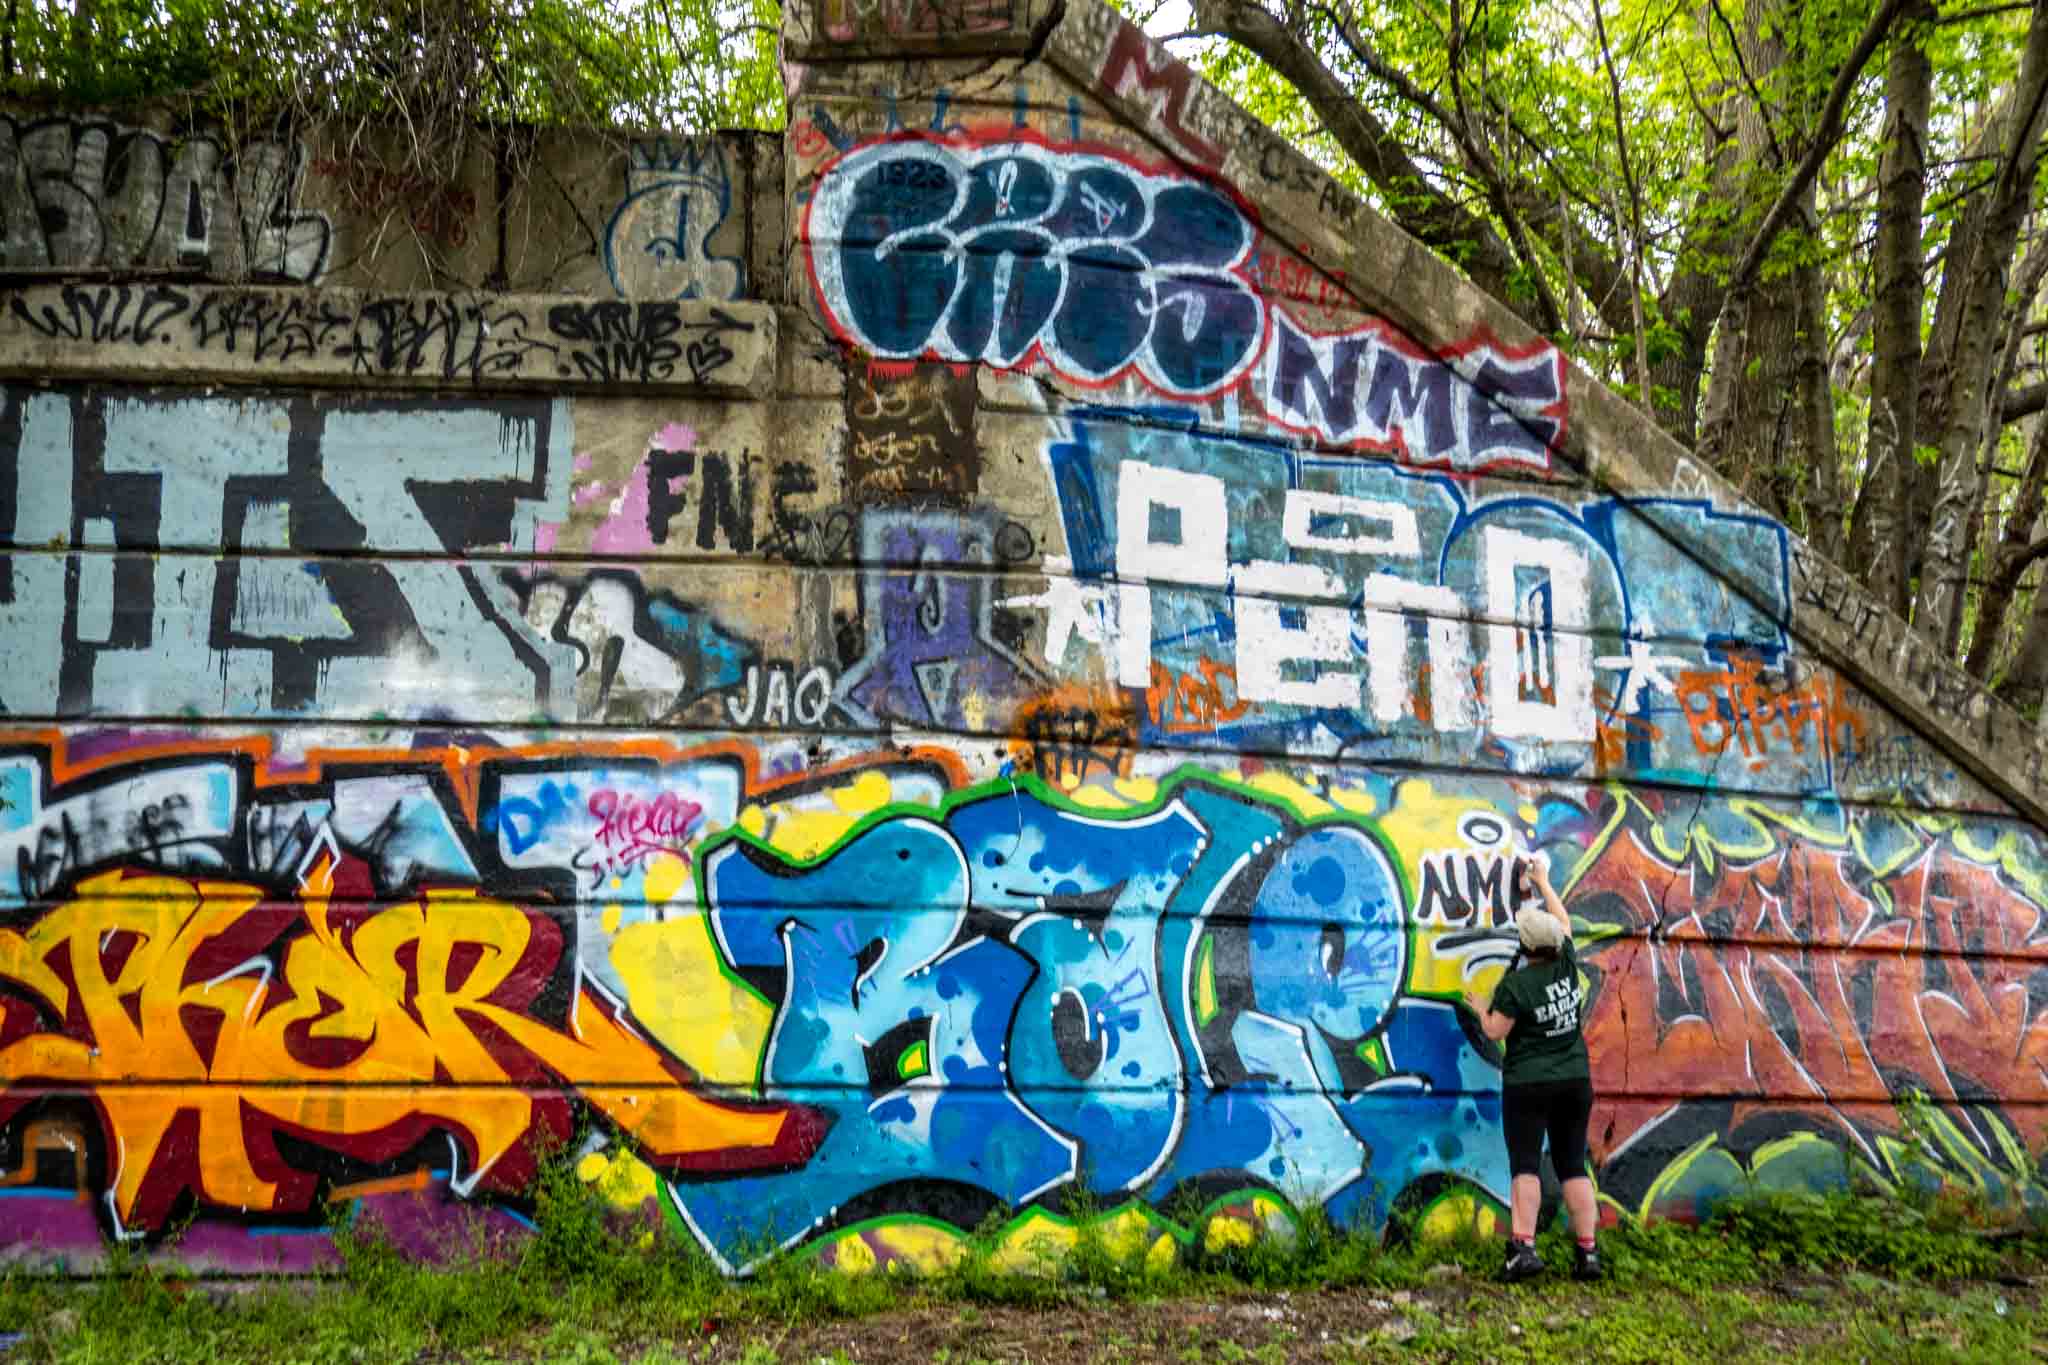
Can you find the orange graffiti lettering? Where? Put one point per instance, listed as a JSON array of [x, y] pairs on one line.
[[1615, 732], [1744, 706], [1072, 733], [1180, 703], [383, 1024]]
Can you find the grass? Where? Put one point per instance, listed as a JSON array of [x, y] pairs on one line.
[[1820, 1276]]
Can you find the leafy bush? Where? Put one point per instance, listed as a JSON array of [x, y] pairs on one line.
[[1939, 1238]]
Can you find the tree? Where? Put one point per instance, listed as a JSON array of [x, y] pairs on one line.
[[442, 69], [1808, 239], [411, 92]]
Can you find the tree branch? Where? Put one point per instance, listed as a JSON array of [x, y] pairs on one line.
[[1763, 108], [1476, 156], [1436, 219], [1824, 138], [1982, 12], [1599, 275], [2019, 403], [1720, 134], [1635, 204], [2017, 567]]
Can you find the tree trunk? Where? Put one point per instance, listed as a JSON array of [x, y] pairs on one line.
[[1433, 217], [1697, 293], [2008, 559], [1980, 258], [1689, 305], [1756, 426], [2026, 681], [1768, 422], [1900, 288], [1814, 415]]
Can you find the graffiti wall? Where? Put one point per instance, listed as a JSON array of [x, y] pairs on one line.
[[612, 215], [1059, 754], [78, 193]]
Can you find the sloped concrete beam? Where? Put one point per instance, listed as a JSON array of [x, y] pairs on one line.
[[1620, 450]]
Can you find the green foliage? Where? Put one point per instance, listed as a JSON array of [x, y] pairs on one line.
[[1091, 1263], [1315, 1252], [979, 1277], [126, 50], [591, 1286], [452, 64], [1612, 147], [1940, 1237], [1658, 1252]]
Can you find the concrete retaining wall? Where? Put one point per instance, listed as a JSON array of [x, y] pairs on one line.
[[1045, 712]]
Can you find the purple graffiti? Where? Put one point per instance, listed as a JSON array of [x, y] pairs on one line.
[[1481, 407]]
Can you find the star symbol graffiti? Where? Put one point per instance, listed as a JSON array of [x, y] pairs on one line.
[[1072, 606], [1644, 670]]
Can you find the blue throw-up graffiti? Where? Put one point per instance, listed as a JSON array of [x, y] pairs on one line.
[[1092, 1040], [1011, 250], [1015, 999], [892, 1021]]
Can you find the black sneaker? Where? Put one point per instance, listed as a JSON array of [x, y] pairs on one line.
[[1587, 1265], [1522, 1264]]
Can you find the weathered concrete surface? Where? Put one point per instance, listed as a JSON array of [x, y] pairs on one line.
[[1046, 710], [174, 333], [1398, 278], [625, 215], [850, 30]]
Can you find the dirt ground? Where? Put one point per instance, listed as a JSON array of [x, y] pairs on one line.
[[1453, 1317]]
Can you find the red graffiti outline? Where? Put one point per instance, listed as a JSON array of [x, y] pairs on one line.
[[463, 765], [1275, 304], [988, 136], [1163, 91], [1482, 338]]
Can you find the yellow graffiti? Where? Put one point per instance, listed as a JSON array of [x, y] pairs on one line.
[[1037, 1242], [1112, 794], [1422, 821], [806, 827], [852, 1254], [1040, 1242], [682, 994], [623, 1180], [1460, 1215], [1225, 1233], [391, 1007], [1304, 802], [920, 1244], [1354, 800], [1748, 829]]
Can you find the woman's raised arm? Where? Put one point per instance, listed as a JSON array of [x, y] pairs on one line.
[[1538, 870]]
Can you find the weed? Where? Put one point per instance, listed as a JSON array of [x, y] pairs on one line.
[[1311, 1251], [981, 1274], [1660, 1252], [592, 1278], [1093, 1262], [1937, 1239]]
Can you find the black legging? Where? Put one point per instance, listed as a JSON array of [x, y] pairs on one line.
[[1559, 1108]]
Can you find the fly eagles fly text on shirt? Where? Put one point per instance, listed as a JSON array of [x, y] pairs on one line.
[[1560, 1009]]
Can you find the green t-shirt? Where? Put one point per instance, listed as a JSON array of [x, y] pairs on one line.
[[1542, 997]]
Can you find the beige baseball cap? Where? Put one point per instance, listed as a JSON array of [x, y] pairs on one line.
[[1540, 930]]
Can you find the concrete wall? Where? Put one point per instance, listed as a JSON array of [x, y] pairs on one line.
[[644, 216], [1045, 715]]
